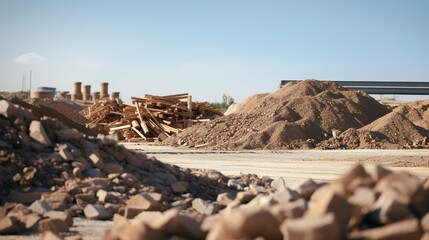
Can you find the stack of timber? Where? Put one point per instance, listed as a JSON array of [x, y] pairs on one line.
[[104, 111], [155, 118]]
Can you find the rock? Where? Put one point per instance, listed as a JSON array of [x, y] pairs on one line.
[[49, 235], [306, 188], [355, 178], [148, 217], [425, 223], [66, 155], [40, 207], [72, 186], [390, 208], [96, 160], [289, 210], [155, 196], [85, 198], [179, 187], [144, 202], [55, 225], [94, 172], [38, 133], [8, 109], [315, 228], [278, 183], [130, 158], [68, 134], [67, 218], [24, 198], [174, 224], [246, 223], [8, 225], [377, 172], [31, 221], [408, 186], [235, 184], [245, 196], [404, 230], [113, 168], [97, 212], [328, 201], [285, 195], [134, 231], [209, 222], [225, 198], [57, 198], [363, 197], [204, 207]]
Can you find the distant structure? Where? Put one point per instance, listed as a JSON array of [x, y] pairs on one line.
[[44, 92]]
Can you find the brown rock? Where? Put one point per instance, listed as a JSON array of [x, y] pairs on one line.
[[57, 198], [148, 217], [49, 235], [38, 133], [96, 160], [175, 224], [8, 225], [31, 221], [425, 222], [377, 172], [204, 207], [224, 198], [66, 155], [390, 208], [85, 198], [68, 134], [245, 196], [278, 183], [54, 225], [144, 202], [113, 168], [315, 228], [329, 201], [285, 195], [356, 177], [306, 188], [40, 207], [131, 158], [24, 198], [289, 210], [246, 223], [405, 230], [97, 212], [66, 217], [179, 187], [134, 231]]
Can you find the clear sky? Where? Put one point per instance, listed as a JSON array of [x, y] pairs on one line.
[[207, 48]]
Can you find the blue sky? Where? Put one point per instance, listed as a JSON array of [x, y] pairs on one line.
[[208, 48]]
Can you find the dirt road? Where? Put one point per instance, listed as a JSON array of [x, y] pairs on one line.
[[293, 166]]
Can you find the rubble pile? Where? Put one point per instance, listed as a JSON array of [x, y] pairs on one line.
[[46, 166], [372, 203], [152, 118], [299, 115]]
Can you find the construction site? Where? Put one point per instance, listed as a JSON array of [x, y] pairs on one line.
[[312, 160]]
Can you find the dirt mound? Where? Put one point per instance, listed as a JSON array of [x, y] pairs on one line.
[[68, 109], [246, 104], [298, 115], [417, 112]]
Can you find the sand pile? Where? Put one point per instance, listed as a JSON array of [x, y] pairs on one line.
[[417, 112], [67, 108], [56, 168], [299, 115]]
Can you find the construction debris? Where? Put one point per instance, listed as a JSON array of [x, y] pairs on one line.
[[152, 118]]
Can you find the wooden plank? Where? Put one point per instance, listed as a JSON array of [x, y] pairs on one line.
[[120, 127], [170, 129], [144, 127], [138, 132]]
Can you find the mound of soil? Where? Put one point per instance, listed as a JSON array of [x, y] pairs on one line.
[[417, 112], [299, 115], [393, 130], [246, 104]]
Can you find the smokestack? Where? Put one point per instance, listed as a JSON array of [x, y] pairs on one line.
[[115, 95], [77, 91], [104, 90], [86, 92], [95, 96]]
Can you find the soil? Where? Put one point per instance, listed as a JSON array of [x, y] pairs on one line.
[[297, 116]]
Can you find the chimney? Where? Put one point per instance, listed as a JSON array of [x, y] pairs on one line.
[[77, 91], [115, 95], [95, 96], [104, 91], [86, 92]]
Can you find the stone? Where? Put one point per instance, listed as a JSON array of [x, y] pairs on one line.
[[82, 163], [97, 212], [72, 186], [113, 168], [49, 235], [8, 225], [8, 110], [425, 236], [306, 188], [38, 133], [148, 217], [290, 210], [179, 187], [204, 207], [225, 198], [329, 201], [114, 153], [355, 178], [363, 197], [144, 202], [40, 207], [57, 197], [235, 184], [85, 198], [377, 172], [174, 224], [68, 134], [155, 196], [285, 195], [315, 228], [246, 223], [66, 155], [96, 160], [278, 183], [53, 224], [425, 223], [404, 230], [24, 198], [94, 172], [245, 196], [134, 231], [66, 217], [31, 221], [407, 186], [209, 222], [390, 208], [130, 158]]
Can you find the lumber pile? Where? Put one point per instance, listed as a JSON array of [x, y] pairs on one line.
[[155, 118]]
